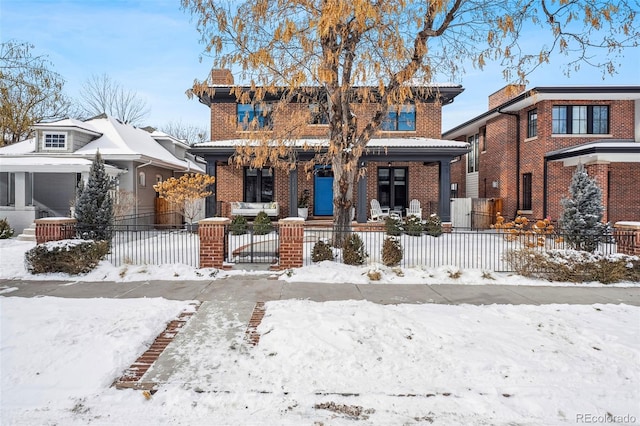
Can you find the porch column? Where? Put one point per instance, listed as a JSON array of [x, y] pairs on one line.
[[444, 202], [21, 190], [361, 202], [293, 193], [210, 206]]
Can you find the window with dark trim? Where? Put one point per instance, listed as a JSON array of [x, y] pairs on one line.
[[400, 118], [55, 140], [532, 123], [319, 114], [580, 119], [254, 116], [473, 156], [526, 191], [258, 185], [393, 187]]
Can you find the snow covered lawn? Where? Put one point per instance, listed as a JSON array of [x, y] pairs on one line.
[[330, 363]]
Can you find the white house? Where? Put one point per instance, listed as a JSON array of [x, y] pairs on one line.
[[38, 176]]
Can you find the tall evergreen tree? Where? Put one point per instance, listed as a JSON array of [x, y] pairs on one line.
[[581, 219], [94, 206]]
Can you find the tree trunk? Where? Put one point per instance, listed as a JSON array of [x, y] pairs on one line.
[[343, 192]]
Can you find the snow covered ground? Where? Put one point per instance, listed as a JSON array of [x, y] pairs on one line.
[[332, 363], [336, 363]]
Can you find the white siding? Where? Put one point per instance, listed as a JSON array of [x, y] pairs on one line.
[[472, 185]]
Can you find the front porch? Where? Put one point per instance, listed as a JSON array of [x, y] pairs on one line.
[[394, 172]]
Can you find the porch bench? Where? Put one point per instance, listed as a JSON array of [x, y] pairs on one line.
[[240, 208]]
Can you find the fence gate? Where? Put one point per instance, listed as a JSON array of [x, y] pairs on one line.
[[461, 212], [484, 211], [249, 246]]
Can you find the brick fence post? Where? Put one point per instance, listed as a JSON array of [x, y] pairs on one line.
[[627, 236], [291, 236], [55, 229], [212, 232]]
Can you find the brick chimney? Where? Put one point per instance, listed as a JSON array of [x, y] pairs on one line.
[[503, 95], [222, 77]]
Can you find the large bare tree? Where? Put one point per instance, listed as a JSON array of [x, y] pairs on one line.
[[378, 49], [30, 91], [185, 131], [102, 95]]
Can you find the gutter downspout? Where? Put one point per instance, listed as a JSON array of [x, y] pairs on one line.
[[517, 116], [137, 182]]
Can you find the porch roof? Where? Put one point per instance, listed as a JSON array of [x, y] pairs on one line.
[[380, 147], [51, 164], [601, 150]]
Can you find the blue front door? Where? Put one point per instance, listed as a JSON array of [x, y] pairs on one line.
[[323, 191]]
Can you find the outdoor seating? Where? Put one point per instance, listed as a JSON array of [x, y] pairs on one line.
[[378, 213], [414, 209]]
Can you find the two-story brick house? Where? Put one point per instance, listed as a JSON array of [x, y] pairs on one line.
[[525, 148], [406, 160]]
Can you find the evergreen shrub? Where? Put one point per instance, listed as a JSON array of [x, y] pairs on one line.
[[391, 251], [353, 252], [66, 256], [262, 224], [5, 230]]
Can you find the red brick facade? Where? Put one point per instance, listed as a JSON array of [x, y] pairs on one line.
[[499, 161], [423, 176]]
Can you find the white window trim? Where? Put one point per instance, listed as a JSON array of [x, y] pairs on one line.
[[49, 148]]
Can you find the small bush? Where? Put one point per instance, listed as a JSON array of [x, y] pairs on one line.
[[574, 266], [393, 226], [321, 251], [67, 256], [238, 225], [5, 230], [413, 226], [391, 251], [353, 252], [262, 224], [433, 226]]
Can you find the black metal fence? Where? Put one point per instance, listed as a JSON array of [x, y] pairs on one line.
[[252, 243], [482, 249], [139, 244]]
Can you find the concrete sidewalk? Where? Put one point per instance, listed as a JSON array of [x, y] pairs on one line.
[[253, 288], [228, 304]]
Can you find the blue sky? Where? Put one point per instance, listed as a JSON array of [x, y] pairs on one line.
[[152, 47]]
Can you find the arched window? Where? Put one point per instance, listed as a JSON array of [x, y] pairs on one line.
[[142, 179]]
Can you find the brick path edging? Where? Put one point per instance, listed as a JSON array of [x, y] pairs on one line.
[[131, 378]]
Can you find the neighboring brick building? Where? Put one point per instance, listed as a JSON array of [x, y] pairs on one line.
[[525, 148], [407, 160]]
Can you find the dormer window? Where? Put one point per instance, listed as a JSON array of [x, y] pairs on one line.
[[55, 140]]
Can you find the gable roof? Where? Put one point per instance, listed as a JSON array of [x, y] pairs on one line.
[[115, 141]]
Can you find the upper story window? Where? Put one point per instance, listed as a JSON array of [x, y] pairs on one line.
[[254, 116], [532, 123], [400, 118], [55, 140], [319, 114], [473, 156], [142, 179], [580, 119]]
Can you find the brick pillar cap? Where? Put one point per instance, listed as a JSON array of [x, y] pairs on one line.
[[214, 220], [627, 225], [61, 219], [291, 220]]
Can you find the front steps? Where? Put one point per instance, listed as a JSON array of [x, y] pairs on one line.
[[28, 234]]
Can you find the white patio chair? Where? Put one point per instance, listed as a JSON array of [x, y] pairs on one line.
[[378, 213], [414, 209]]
